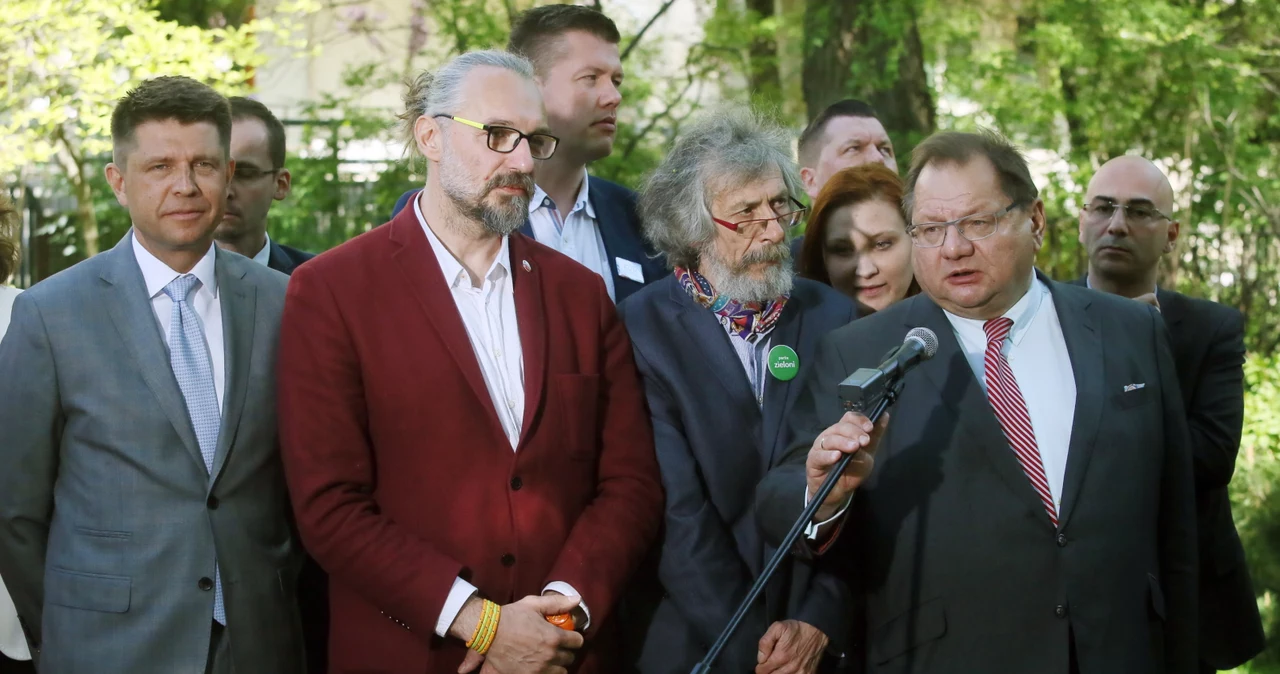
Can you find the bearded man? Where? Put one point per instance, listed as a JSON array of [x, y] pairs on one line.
[[462, 425], [722, 345]]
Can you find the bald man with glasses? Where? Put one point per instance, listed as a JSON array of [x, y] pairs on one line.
[[1127, 229]]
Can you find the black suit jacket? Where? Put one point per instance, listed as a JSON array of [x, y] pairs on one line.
[[1208, 351], [615, 208], [285, 259], [959, 566], [714, 444]]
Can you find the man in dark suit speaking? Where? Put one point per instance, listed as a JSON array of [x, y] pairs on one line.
[[1126, 227], [1033, 506]]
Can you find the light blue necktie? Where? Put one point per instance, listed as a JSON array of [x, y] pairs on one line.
[[189, 356]]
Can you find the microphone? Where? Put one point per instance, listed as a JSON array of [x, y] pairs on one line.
[[868, 384], [874, 389]]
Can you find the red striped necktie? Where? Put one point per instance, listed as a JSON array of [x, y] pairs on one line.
[[1011, 410]]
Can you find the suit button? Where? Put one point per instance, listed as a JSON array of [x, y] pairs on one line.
[[508, 560], [516, 483], [1060, 611], [212, 502], [1062, 540], [205, 584]]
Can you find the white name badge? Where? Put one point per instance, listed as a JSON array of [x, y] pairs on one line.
[[630, 270]]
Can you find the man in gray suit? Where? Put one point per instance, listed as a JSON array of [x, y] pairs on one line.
[[1029, 505], [143, 514]]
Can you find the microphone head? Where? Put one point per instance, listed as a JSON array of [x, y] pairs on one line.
[[926, 337]]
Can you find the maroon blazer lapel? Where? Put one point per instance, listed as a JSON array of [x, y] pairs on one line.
[[531, 315], [426, 283]]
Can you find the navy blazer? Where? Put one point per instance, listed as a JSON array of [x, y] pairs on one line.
[[619, 224], [285, 259], [1208, 353], [714, 443]]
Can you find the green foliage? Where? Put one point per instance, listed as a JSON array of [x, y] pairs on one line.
[[68, 61], [1255, 497], [1190, 85]]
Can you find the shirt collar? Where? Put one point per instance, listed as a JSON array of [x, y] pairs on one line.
[[583, 202], [263, 257], [455, 275], [1023, 312], [157, 274]]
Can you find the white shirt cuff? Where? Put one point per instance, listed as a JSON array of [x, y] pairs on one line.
[[458, 596], [568, 591], [815, 530]]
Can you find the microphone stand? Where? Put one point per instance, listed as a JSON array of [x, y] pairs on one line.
[[892, 390]]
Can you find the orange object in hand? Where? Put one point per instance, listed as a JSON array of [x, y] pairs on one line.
[[564, 621]]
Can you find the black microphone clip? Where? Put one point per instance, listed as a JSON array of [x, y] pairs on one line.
[[863, 389]]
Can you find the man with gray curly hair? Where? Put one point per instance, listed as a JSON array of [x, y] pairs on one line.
[[461, 419], [719, 344]]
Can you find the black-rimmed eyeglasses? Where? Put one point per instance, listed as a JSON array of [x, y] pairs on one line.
[[505, 139]]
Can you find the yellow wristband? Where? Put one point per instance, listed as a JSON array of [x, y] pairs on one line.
[[480, 624], [485, 639]]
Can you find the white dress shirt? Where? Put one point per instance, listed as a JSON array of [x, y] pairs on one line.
[[489, 315], [204, 300], [263, 257], [1037, 354], [576, 233], [13, 644]]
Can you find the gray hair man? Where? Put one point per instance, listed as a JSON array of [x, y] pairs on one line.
[[453, 525], [1034, 510], [719, 342]]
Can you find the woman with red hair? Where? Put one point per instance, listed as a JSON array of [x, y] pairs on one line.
[[856, 239]]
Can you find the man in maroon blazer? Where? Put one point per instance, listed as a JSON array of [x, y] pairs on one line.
[[460, 415]]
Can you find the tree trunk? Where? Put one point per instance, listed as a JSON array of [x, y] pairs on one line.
[[84, 211], [76, 169], [765, 82], [871, 50]]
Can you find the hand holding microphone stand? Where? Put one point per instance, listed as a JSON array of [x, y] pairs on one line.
[[875, 389]]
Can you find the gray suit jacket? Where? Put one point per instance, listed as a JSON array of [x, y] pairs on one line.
[[109, 521], [948, 543]]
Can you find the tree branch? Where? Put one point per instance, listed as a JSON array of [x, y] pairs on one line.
[[649, 24]]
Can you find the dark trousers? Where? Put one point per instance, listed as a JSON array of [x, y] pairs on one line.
[[8, 666]]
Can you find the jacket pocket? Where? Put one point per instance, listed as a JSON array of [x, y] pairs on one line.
[[909, 630], [89, 591], [1131, 399]]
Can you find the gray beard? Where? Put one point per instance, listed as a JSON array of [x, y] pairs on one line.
[[733, 281], [500, 220]]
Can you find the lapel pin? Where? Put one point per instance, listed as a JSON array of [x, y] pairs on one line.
[[526, 265], [1133, 387]]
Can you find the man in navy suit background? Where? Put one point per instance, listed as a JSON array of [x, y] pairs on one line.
[[574, 50], [258, 146], [1126, 227], [720, 343]]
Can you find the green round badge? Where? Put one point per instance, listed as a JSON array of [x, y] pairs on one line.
[[784, 364]]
